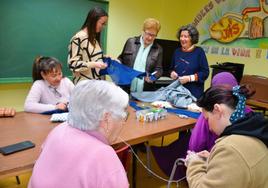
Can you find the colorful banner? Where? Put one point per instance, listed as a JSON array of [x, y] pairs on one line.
[[255, 53], [234, 28]]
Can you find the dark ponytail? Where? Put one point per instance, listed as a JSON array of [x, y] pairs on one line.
[[45, 65], [223, 94]]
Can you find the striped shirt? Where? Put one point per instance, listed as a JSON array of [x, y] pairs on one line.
[[81, 56]]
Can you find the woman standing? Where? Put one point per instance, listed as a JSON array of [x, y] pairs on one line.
[[85, 56], [142, 53], [189, 63]]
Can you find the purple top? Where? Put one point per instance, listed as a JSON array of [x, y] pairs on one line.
[[202, 138]]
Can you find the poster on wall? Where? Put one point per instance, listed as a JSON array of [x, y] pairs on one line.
[[234, 28]]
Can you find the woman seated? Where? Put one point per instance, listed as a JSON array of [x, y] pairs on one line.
[[77, 153], [50, 90], [240, 156], [201, 138]]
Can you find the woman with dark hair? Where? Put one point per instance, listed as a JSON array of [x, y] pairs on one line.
[[50, 90], [242, 143], [85, 57], [189, 63]]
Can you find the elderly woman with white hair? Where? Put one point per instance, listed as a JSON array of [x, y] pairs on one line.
[[77, 153]]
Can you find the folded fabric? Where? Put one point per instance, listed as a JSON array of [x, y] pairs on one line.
[[57, 111], [61, 117], [119, 73], [175, 93], [185, 112], [135, 106]]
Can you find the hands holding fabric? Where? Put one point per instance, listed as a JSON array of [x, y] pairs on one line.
[[192, 156], [61, 106], [100, 65], [183, 79]]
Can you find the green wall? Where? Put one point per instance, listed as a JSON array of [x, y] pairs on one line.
[[30, 28]]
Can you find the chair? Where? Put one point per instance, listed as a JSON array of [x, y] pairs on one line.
[[124, 155], [259, 100], [179, 161]]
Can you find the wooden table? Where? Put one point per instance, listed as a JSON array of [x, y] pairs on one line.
[[24, 126], [35, 127], [257, 103], [135, 132]]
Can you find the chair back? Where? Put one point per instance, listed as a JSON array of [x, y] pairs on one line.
[[124, 155]]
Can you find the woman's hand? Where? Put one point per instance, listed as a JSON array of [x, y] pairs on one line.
[[100, 65], [203, 154], [192, 156], [184, 79], [173, 75], [147, 79], [61, 106], [7, 112]]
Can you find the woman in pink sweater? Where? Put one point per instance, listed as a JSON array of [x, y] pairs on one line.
[[77, 154]]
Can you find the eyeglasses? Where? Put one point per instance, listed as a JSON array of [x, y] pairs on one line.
[[150, 34], [55, 91]]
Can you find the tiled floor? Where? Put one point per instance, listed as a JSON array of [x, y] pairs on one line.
[[144, 179]]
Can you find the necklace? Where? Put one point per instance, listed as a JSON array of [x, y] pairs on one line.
[[189, 49]]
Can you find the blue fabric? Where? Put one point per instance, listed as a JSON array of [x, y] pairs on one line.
[[174, 93], [240, 107], [189, 63], [188, 113], [120, 74], [153, 78], [134, 105], [185, 112], [57, 111]]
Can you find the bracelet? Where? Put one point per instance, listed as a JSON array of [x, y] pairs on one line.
[[192, 78]]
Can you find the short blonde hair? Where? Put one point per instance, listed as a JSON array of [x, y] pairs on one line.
[[151, 23]]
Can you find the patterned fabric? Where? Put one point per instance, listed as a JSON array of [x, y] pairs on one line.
[[59, 117], [81, 55], [240, 107], [174, 93]]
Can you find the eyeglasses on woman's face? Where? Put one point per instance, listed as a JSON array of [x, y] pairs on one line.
[[150, 34]]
